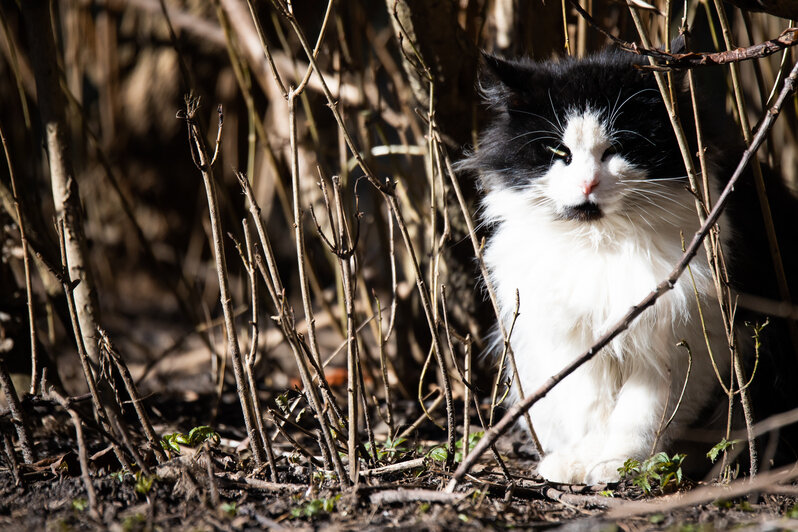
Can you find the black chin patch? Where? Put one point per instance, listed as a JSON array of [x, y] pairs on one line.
[[584, 212]]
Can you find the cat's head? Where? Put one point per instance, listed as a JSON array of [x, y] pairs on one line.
[[582, 138]]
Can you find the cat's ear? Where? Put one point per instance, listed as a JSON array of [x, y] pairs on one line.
[[495, 69], [504, 82]]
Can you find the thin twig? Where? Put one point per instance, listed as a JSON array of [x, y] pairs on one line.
[[85, 363], [108, 350], [82, 456], [202, 161], [35, 372], [17, 414], [249, 264], [786, 39]]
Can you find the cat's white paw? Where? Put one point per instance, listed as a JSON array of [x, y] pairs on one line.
[[562, 467], [572, 468], [603, 471]]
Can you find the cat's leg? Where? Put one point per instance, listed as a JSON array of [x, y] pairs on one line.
[[568, 415], [632, 427]]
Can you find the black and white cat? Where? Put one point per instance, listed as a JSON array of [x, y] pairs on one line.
[[586, 193]]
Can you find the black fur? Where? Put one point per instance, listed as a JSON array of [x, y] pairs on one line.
[[527, 97]]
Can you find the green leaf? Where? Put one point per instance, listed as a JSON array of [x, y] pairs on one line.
[[143, 483], [80, 504], [201, 434], [229, 508], [721, 446], [438, 453]]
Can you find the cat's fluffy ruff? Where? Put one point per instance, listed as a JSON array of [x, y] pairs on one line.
[[577, 276]]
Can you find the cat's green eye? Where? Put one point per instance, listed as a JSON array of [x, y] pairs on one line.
[[612, 150], [561, 152]]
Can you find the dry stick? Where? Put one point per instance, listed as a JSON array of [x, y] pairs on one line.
[[503, 359], [662, 288], [204, 164], [35, 372], [120, 428], [8, 446], [404, 496], [249, 264], [266, 52], [427, 305], [765, 481], [82, 456], [467, 397], [273, 282], [17, 414], [344, 250], [85, 363], [299, 239], [299, 233], [775, 253], [107, 348], [786, 39], [712, 247], [213, 490], [472, 233], [390, 198], [468, 388], [386, 387], [66, 195], [394, 468], [127, 209]]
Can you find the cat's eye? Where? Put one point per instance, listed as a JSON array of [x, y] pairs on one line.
[[612, 150], [561, 152]]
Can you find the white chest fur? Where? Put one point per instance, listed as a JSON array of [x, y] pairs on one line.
[[575, 281]]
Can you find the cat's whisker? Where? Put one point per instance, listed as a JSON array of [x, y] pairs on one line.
[[616, 112], [552, 124], [615, 133], [556, 116], [534, 140], [531, 133]]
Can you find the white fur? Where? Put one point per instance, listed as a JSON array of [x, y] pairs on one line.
[[576, 279]]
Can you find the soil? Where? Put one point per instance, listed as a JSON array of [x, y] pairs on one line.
[[50, 494]]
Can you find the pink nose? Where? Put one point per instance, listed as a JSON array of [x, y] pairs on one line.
[[589, 186]]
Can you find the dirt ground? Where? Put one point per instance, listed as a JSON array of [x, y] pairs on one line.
[[188, 492]]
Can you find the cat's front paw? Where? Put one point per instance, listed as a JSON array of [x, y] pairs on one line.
[[562, 467], [603, 471], [572, 468]]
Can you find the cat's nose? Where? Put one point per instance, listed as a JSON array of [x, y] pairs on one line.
[[589, 186]]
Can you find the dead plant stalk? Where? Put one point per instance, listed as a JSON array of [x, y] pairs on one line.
[[390, 198], [204, 164]]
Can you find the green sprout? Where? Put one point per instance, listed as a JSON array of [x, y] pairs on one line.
[[665, 471]]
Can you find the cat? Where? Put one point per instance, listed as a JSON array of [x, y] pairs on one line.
[[586, 194]]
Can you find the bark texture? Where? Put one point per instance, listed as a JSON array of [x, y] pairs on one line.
[[66, 196]]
